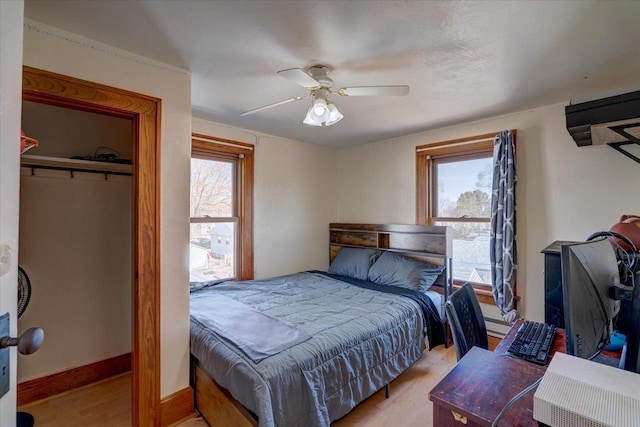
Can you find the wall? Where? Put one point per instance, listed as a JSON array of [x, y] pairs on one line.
[[75, 243], [564, 192], [63, 132], [11, 17], [294, 199], [75, 246], [69, 54]]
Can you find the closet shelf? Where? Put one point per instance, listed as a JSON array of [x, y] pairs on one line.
[[60, 163]]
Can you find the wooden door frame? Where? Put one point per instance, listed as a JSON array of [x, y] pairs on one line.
[[145, 112]]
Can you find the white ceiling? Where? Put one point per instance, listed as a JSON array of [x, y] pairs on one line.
[[463, 60]]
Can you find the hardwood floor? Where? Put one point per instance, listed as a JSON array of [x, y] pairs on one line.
[[105, 403], [408, 403], [108, 403]]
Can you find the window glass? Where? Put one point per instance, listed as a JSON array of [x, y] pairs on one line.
[[464, 188], [212, 188], [211, 251], [470, 251]]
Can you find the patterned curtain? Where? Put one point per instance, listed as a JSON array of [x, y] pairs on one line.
[[503, 252]]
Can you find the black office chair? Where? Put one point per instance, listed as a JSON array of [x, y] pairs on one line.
[[466, 321]]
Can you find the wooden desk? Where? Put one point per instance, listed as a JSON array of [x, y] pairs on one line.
[[479, 386]]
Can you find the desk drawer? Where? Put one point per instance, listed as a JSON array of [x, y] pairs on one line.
[[445, 418]]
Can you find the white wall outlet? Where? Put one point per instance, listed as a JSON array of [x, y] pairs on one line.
[[5, 258]]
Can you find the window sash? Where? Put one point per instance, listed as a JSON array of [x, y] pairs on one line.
[[212, 219], [424, 174], [458, 219], [235, 178]]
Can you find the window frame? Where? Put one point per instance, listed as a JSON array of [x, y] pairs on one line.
[[477, 146], [242, 155]]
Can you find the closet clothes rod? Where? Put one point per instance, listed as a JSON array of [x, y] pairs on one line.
[[72, 170]]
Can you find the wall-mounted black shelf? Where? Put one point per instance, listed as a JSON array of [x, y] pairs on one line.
[[620, 147]]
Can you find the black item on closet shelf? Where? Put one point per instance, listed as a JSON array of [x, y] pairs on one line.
[[103, 158]]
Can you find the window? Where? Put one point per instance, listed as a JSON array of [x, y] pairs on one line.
[[454, 181], [221, 210]]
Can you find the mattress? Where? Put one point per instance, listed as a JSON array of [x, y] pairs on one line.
[[436, 298], [360, 339]]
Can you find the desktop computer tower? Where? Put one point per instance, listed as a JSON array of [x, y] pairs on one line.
[[578, 392], [553, 300]]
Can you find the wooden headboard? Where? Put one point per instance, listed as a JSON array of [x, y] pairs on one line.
[[433, 244]]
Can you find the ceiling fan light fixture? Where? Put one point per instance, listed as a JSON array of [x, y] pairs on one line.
[[334, 115], [310, 120], [322, 113], [320, 110]]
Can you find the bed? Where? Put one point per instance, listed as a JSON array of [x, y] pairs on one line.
[[304, 349]]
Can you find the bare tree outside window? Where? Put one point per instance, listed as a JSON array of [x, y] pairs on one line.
[[211, 188]]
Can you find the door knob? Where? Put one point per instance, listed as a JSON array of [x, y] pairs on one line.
[[29, 342]]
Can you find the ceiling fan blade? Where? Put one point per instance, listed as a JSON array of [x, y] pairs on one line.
[[275, 104], [297, 75], [374, 91]]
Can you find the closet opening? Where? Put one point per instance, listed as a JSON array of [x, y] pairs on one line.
[[75, 248], [89, 236]]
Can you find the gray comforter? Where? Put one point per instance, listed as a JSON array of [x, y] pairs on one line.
[[360, 340]]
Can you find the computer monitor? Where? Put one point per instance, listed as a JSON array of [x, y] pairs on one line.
[[589, 271]]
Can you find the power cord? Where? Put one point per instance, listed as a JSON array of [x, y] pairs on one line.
[[513, 400], [627, 258], [520, 395]]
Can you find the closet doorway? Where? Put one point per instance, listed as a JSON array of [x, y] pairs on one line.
[[144, 113]]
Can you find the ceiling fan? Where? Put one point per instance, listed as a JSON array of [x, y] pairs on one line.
[[317, 81]]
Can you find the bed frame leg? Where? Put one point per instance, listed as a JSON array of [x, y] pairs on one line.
[[386, 391]]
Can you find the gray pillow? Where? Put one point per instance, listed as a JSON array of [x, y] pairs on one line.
[[354, 262], [397, 270]]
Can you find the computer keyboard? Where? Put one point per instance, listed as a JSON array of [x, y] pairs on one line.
[[533, 342]]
